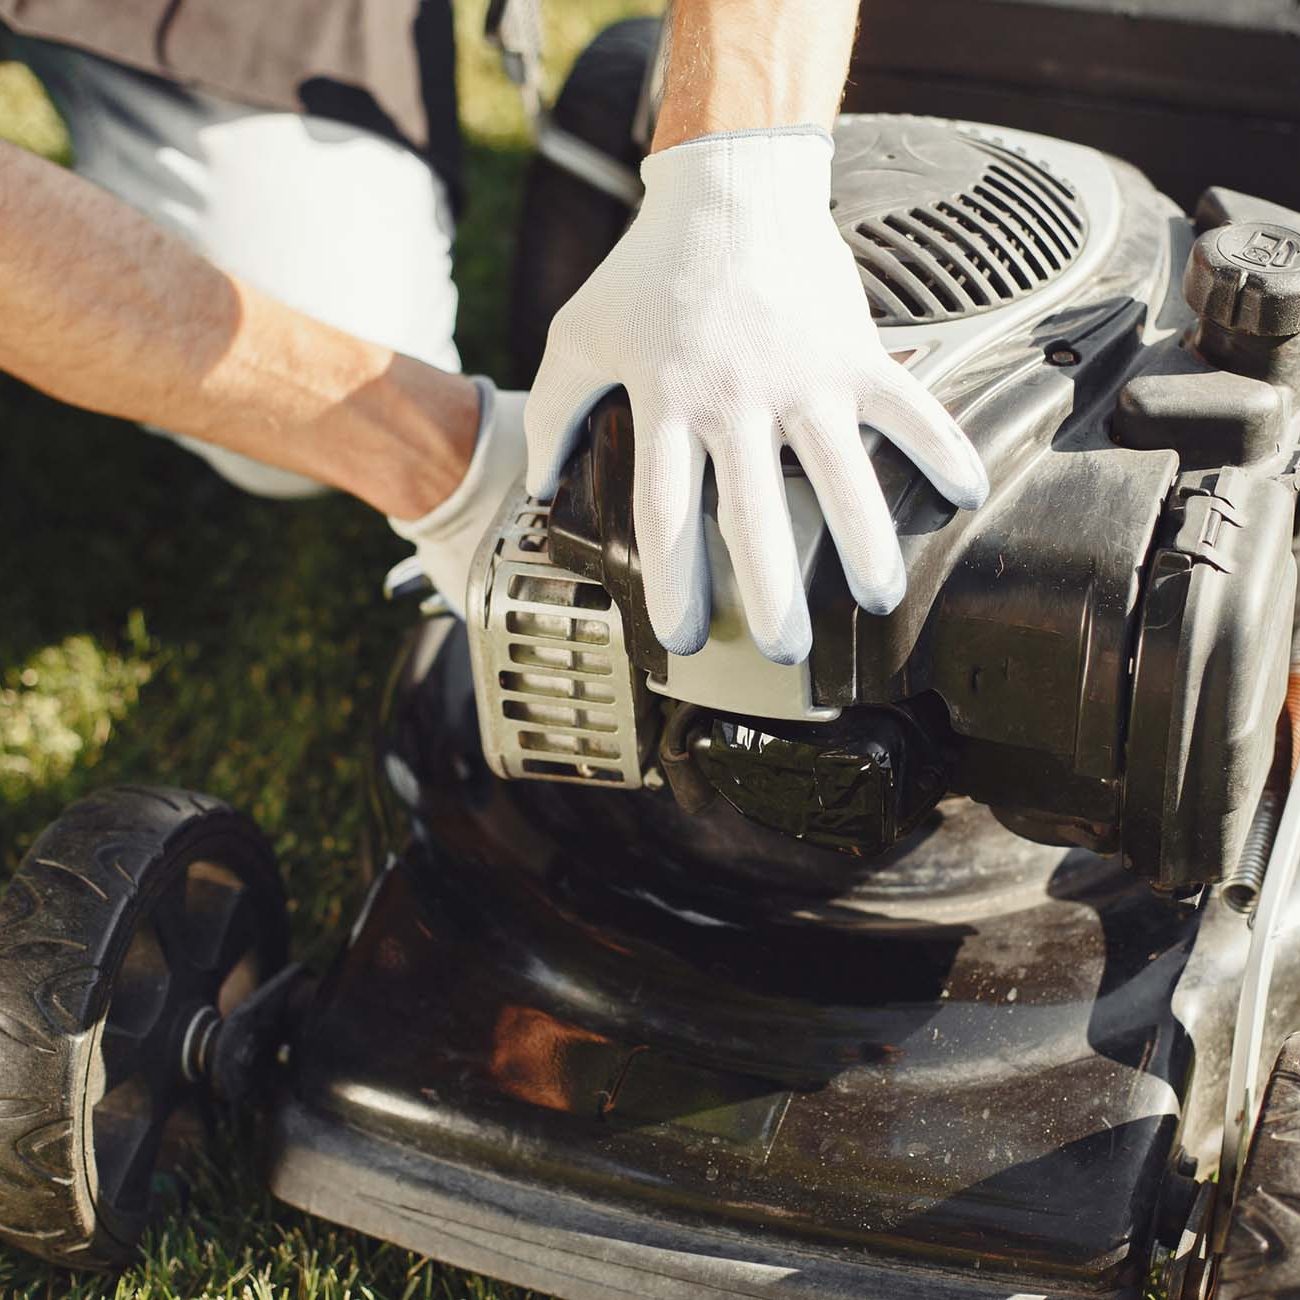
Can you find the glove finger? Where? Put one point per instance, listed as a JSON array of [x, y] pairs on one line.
[[754, 518], [563, 394], [914, 420], [829, 447], [668, 519]]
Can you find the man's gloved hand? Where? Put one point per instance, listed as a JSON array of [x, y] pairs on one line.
[[447, 537], [733, 314]]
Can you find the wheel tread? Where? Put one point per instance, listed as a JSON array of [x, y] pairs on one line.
[[16, 1108], [32, 1146], [1263, 1254], [36, 944], [12, 1231], [71, 873], [63, 925], [52, 997], [152, 792], [24, 1034], [124, 873], [20, 902]]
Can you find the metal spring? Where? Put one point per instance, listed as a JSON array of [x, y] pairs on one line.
[[1242, 884]]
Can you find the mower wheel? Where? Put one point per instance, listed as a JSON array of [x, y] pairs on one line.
[[567, 226], [1263, 1254], [136, 920]]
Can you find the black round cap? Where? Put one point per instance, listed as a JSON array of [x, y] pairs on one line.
[[1245, 278]]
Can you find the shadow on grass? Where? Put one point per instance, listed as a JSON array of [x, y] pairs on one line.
[[258, 625], [485, 249]]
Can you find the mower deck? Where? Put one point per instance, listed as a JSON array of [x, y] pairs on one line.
[[977, 1071], [567, 1245]]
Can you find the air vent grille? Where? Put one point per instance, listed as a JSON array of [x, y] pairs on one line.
[[1014, 229], [563, 701]]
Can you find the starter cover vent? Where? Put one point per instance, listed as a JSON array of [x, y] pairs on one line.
[[945, 224], [558, 697]]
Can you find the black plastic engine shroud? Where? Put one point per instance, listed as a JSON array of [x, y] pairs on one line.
[[1109, 635]]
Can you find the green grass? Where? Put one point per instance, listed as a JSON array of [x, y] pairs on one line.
[[157, 625]]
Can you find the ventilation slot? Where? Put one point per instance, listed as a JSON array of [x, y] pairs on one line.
[[1013, 230], [563, 698]]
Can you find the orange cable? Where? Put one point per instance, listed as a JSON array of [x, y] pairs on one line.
[[1293, 715]]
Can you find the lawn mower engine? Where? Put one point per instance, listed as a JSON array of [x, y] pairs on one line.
[[1099, 654], [740, 991]]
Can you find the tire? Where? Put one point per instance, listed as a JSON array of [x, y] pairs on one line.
[[567, 226], [1262, 1258], [132, 912]]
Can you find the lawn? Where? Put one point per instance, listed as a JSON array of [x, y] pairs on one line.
[[157, 625]]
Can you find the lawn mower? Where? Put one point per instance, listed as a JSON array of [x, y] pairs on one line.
[[941, 965]]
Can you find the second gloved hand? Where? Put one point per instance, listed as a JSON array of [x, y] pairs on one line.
[[733, 314]]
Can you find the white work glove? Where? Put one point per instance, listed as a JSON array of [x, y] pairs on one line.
[[447, 537], [733, 314]]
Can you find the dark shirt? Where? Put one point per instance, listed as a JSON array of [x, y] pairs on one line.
[[385, 65]]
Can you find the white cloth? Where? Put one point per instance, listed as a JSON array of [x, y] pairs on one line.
[[447, 537], [733, 314], [332, 220]]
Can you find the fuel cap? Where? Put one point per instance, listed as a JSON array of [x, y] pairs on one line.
[[1246, 279]]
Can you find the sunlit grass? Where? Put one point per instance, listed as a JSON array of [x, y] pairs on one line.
[[27, 117], [57, 711], [490, 108]]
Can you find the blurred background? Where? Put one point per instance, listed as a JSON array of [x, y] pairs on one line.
[[158, 625]]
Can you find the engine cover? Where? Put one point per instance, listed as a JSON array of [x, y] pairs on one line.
[[1099, 653]]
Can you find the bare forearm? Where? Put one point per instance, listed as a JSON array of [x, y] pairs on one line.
[[739, 64], [101, 309]]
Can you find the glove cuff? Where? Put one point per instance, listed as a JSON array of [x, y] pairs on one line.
[[732, 177], [749, 133], [498, 451]]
